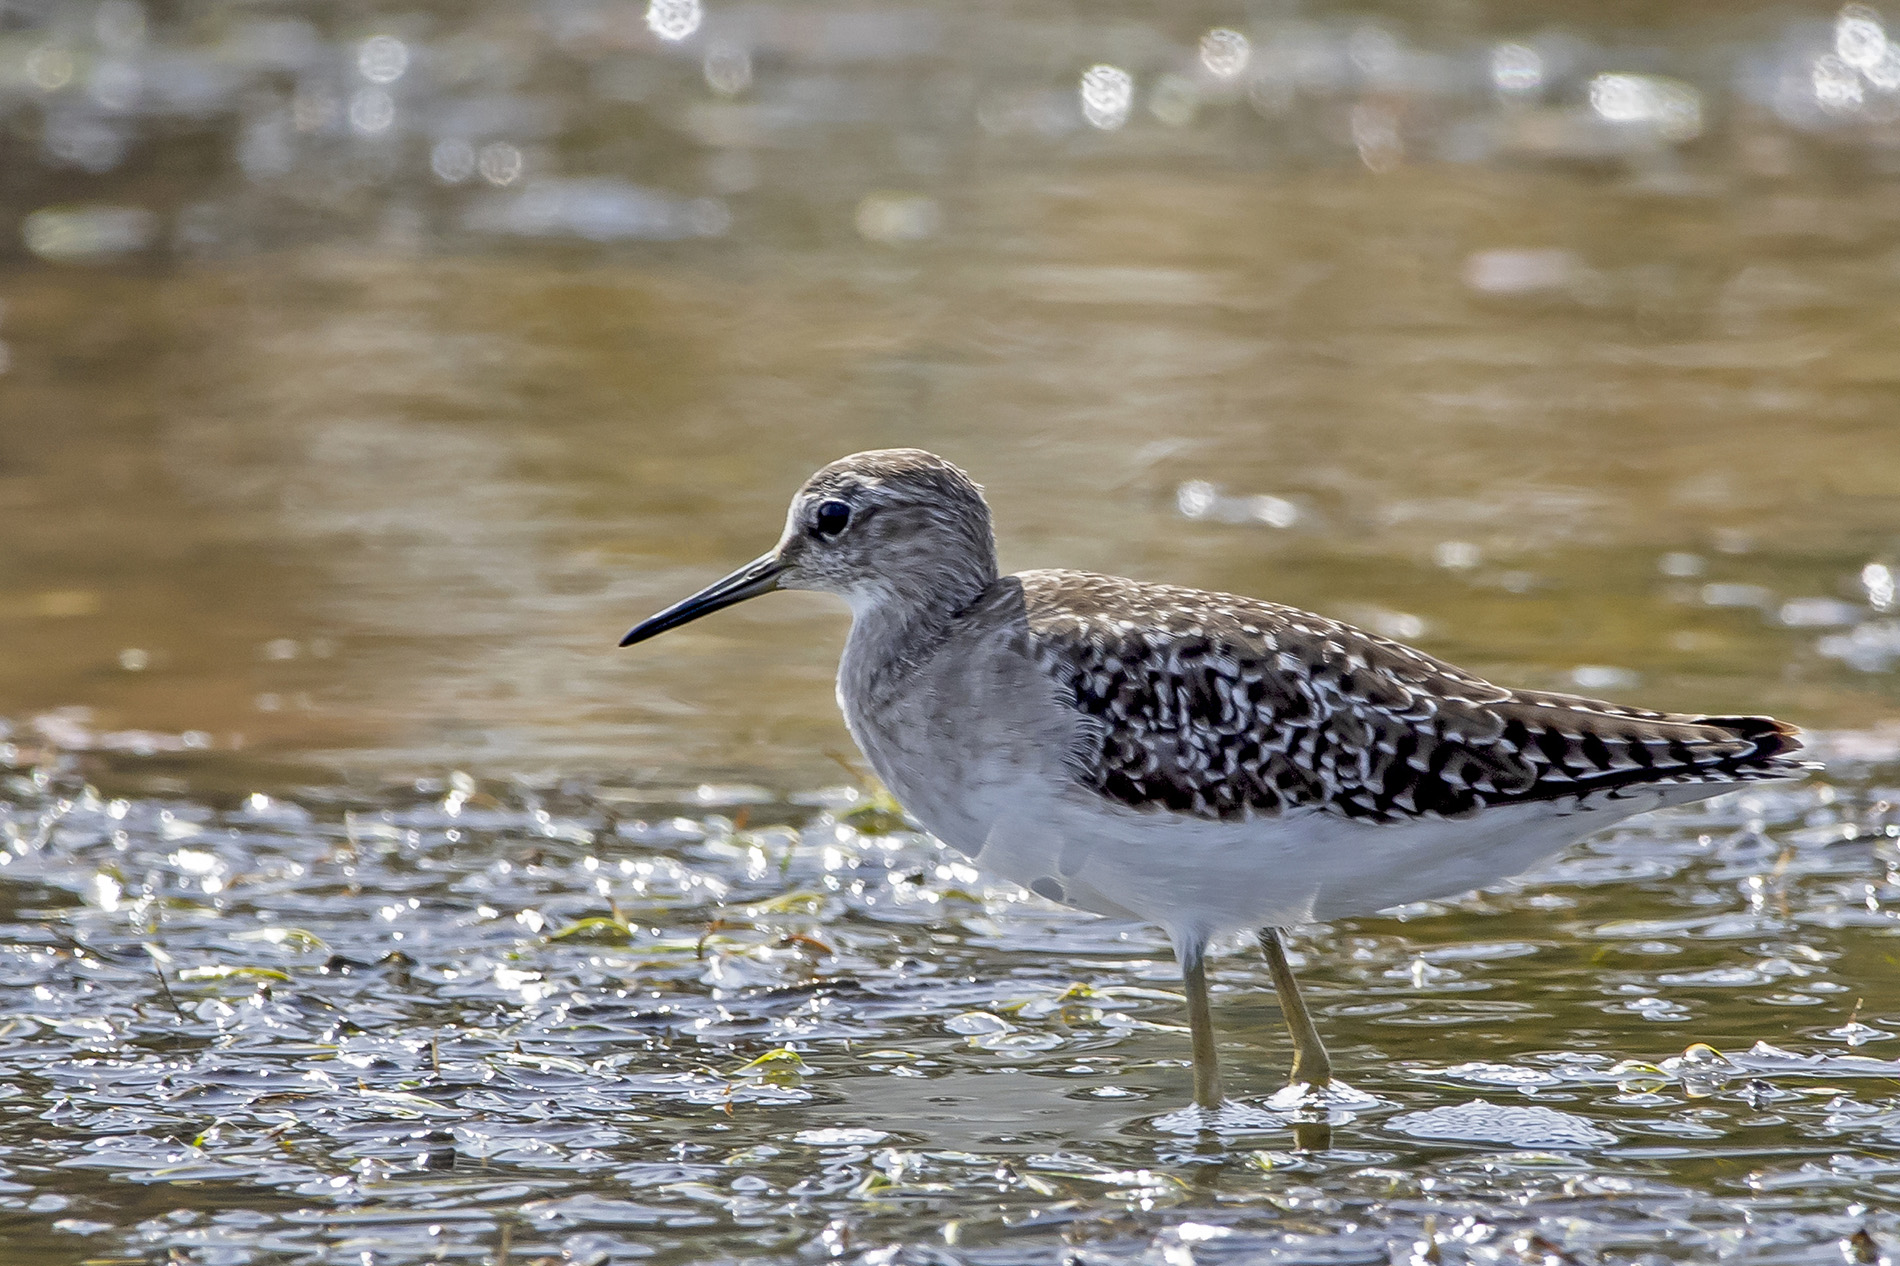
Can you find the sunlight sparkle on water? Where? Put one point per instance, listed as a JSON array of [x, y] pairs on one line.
[[1517, 70], [452, 161], [500, 163], [1107, 94], [1225, 53], [1457, 555], [1837, 86], [371, 111], [674, 20], [1673, 109], [382, 59], [894, 218], [50, 68], [1520, 272], [728, 69], [1878, 580], [1884, 74], [1860, 39], [1377, 54], [1375, 131]]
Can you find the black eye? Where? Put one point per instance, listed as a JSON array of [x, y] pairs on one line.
[[831, 518]]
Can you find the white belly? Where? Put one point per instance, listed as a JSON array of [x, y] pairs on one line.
[[1200, 879]]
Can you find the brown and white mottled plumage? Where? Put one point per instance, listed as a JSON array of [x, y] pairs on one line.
[[1203, 761], [1223, 707]]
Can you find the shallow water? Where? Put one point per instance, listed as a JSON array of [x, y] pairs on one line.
[[610, 1023], [364, 377]]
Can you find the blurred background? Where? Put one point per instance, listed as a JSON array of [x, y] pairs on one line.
[[366, 370], [369, 369]]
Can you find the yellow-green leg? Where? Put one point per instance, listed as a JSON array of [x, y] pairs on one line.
[[1312, 1131], [1201, 1025], [1311, 1065]]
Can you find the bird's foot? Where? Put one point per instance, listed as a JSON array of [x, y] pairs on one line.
[[1333, 1097], [1229, 1118]]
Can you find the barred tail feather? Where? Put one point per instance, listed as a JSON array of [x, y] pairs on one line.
[[1774, 744]]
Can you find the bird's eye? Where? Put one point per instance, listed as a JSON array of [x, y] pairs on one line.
[[831, 518]]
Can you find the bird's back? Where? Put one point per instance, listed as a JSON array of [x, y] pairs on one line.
[[1228, 708]]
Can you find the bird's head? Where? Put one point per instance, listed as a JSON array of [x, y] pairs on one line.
[[891, 526]]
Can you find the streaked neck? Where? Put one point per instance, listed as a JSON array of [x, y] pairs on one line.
[[893, 629]]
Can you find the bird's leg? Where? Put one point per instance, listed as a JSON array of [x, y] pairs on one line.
[[1201, 1024], [1312, 1131], [1311, 1065]]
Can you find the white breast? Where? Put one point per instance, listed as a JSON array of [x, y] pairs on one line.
[[959, 734]]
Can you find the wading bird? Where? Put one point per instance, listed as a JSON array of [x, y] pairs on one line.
[[1205, 762]]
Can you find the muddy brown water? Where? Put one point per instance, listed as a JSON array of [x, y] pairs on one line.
[[368, 372]]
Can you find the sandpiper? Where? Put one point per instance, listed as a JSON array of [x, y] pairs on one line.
[[1205, 762]]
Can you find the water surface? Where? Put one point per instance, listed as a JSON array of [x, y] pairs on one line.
[[366, 374]]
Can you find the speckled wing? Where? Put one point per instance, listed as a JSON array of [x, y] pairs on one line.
[[1229, 708]]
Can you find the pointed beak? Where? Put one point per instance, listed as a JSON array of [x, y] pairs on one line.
[[756, 577]]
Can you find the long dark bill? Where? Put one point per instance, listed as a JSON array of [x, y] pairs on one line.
[[756, 577]]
